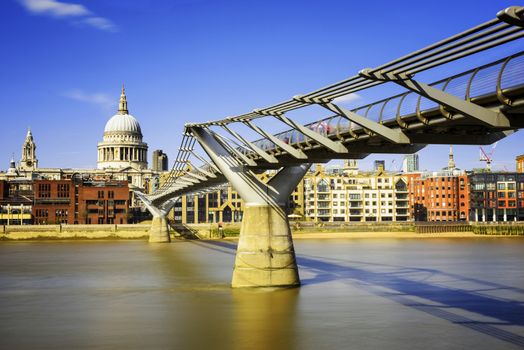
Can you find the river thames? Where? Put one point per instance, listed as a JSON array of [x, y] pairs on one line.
[[356, 294]]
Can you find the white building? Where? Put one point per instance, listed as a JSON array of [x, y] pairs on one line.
[[355, 196]]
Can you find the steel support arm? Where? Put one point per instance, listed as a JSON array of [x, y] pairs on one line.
[[205, 172], [268, 157], [205, 161], [246, 183], [196, 176], [155, 211], [393, 135], [288, 148], [335, 146], [233, 150], [484, 115]]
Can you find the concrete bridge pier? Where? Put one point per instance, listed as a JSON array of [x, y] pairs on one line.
[[159, 231], [265, 255]]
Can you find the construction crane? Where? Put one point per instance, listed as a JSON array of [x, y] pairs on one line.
[[487, 157]]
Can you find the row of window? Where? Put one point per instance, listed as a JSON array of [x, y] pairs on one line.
[[501, 186]]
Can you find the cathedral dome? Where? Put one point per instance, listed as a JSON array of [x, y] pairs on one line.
[[123, 123], [122, 145]]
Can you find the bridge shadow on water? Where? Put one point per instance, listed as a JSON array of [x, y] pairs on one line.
[[405, 286]]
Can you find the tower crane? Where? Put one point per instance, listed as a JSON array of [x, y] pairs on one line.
[[487, 157]]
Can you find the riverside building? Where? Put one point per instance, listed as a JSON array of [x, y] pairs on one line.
[[497, 197], [348, 194], [520, 163], [441, 195]]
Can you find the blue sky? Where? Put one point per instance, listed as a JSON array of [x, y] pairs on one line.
[[63, 64]]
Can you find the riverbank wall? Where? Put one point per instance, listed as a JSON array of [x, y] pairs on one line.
[[302, 229], [32, 232], [232, 230]]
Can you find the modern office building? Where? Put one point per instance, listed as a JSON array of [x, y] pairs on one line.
[[497, 197], [160, 161], [410, 163], [379, 165]]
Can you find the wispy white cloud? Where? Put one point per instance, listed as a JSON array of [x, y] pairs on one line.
[[55, 8], [101, 23], [348, 98], [97, 98], [65, 10]]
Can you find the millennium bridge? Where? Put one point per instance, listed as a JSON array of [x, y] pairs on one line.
[[479, 106]]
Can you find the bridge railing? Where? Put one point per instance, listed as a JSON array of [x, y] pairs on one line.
[[497, 79]]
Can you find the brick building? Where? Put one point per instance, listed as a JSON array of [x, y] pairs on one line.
[[80, 202], [54, 202], [439, 196]]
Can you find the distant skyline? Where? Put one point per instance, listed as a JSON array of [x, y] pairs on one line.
[[63, 64]]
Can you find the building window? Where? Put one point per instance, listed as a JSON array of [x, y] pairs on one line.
[[62, 190], [100, 194], [44, 190], [322, 186]]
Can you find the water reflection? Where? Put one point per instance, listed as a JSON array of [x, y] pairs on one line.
[[264, 319]]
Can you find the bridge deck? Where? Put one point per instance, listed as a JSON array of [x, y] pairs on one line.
[[496, 85]]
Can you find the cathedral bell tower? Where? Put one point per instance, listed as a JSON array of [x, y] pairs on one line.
[[29, 161]]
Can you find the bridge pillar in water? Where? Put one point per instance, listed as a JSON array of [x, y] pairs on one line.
[[265, 254], [159, 231]]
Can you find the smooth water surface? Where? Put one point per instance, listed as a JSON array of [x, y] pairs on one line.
[[356, 294]]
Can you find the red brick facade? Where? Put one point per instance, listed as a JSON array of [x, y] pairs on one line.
[[80, 202], [53, 202], [443, 197]]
